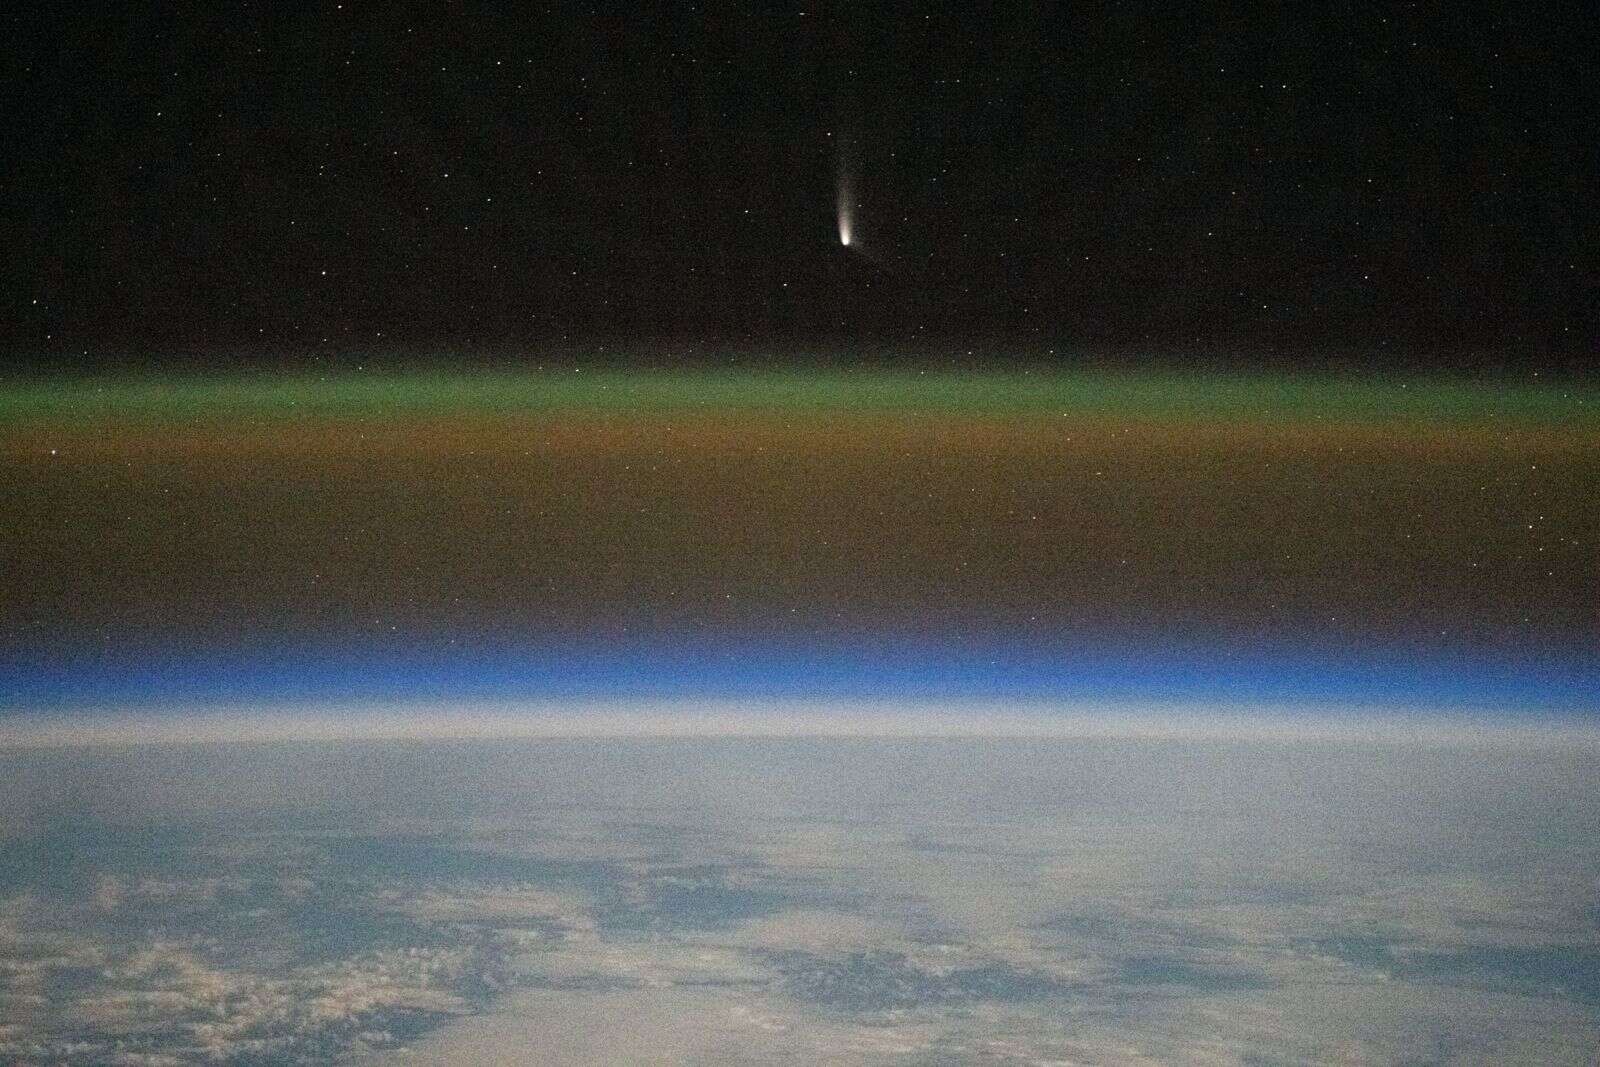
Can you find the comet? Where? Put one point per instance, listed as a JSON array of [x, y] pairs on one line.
[[845, 202], [846, 211]]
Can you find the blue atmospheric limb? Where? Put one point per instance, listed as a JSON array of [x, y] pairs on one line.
[[887, 670]]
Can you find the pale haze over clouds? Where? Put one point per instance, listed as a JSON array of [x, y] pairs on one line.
[[746, 900], [632, 718]]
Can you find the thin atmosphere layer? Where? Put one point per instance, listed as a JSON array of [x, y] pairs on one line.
[[1031, 538]]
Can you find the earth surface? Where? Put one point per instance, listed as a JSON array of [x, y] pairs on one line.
[[767, 901]]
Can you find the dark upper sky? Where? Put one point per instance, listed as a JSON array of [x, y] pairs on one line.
[[343, 178]]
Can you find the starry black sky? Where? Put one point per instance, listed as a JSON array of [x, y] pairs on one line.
[[1416, 180]]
